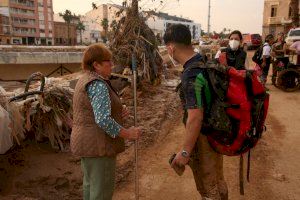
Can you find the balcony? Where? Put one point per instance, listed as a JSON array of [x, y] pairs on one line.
[[23, 24], [21, 3], [23, 15], [274, 20], [24, 34], [5, 31]]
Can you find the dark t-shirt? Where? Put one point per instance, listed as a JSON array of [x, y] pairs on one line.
[[236, 58], [278, 46], [194, 89]]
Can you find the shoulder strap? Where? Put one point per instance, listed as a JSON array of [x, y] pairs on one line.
[[212, 68]]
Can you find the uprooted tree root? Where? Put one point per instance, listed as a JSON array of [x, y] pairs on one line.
[[134, 36]]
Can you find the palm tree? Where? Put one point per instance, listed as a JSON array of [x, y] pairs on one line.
[[68, 17], [295, 12], [114, 25], [104, 24], [81, 28]]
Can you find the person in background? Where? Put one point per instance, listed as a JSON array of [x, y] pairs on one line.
[[279, 51], [295, 47], [266, 57], [97, 133], [234, 53]]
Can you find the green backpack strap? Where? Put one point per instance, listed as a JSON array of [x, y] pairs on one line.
[[215, 72]]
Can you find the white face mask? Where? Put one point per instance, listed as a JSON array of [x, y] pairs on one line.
[[234, 44], [175, 63]]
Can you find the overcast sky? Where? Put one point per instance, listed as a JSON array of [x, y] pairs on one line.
[[244, 15]]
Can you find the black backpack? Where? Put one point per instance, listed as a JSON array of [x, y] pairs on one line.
[[257, 57]]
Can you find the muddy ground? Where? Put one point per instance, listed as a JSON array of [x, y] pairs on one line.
[[35, 171]]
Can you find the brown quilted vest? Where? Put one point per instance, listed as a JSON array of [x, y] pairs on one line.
[[87, 138]]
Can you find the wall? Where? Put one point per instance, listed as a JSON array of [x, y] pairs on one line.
[[61, 33]]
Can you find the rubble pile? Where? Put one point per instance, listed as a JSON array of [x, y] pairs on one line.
[[133, 36]]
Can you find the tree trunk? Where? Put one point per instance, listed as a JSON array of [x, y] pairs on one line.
[[295, 12], [68, 33], [80, 37], [135, 7]]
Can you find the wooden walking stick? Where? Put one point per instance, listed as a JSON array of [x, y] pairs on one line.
[[136, 144]]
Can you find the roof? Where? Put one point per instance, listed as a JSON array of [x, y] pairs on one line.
[[166, 16], [115, 5]]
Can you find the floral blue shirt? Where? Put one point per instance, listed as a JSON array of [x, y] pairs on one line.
[[99, 96]]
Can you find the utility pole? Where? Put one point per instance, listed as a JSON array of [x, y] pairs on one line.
[[208, 20]]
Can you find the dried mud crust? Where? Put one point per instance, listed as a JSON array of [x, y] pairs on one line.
[[35, 171]]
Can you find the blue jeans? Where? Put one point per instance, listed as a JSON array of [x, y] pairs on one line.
[[98, 177], [265, 71]]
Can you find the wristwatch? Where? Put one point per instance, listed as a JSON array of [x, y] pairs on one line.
[[185, 154]]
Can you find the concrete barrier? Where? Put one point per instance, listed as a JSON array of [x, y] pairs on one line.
[[40, 57]]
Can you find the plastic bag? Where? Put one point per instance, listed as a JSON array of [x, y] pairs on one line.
[[6, 139]]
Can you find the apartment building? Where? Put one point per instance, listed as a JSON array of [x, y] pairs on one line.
[[5, 26], [31, 21], [159, 22], [92, 21], [61, 34], [277, 16]]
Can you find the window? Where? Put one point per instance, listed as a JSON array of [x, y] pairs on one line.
[[272, 30], [42, 30], [42, 22], [273, 11], [290, 11]]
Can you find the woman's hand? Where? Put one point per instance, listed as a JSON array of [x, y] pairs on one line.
[[223, 59], [132, 133], [125, 112]]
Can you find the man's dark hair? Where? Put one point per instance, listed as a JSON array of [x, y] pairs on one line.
[[178, 33], [236, 32], [269, 37]]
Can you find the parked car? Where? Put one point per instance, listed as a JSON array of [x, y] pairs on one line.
[[251, 41], [292, 36]]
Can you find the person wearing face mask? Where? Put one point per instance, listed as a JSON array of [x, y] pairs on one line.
[[195, 93], [234, 54]]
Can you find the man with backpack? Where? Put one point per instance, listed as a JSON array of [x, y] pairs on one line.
[[266, 57], [263, 58], [206, 164]]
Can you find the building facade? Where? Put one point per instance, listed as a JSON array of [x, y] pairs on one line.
[[277, 16], [61, 34], [159, 22], [31, 21], [5, 26], [92, 20]]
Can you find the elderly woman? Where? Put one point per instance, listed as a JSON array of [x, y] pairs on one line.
[[97, 135]]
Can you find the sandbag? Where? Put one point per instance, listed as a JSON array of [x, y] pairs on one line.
[[6, 139]]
